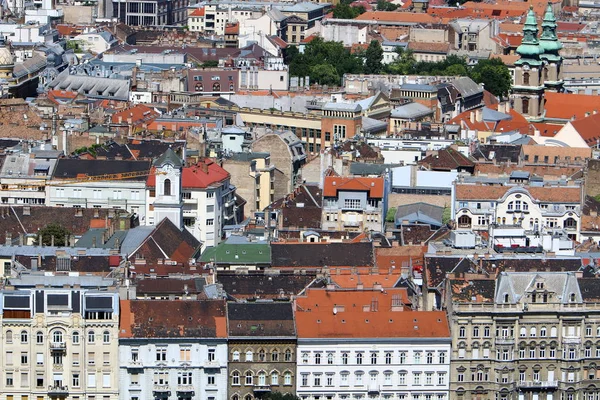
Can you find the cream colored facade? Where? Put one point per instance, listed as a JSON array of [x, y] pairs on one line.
[[59, 340]]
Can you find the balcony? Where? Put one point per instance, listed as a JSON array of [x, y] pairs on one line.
[[262, 388], [187, 390], [58, 391], [538, 384], [58, 347], [571, 339], [161, 390], [505, 340], [211, 364], [351, 223], [134, 364], [374, 389]]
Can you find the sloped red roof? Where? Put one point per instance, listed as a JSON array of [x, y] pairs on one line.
[[232, 29], [334, 183], [198, 176], [588, 128], [139, 114], [198, 12], [568, 105]]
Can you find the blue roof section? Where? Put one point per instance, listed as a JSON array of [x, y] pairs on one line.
[[417, 86], [303, 7], [411, 110], [135, 237], [493, 115]]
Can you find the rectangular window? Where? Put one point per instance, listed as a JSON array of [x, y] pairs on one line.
[[24, 358], [161, 354], [75, 380], [185, 354], [24, 379], [9, 379], [91, 380]]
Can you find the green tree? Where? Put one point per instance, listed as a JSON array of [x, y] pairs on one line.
[[373, 58], [324, 74], [210, 64], [53, 229], [390, 216], [403, 64], [345, 11], [384, 5], [446, 215], [456, 70], [494, 75], [289, 54]]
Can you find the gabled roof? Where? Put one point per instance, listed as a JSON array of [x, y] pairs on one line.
[[558, 194], [138, 114], [561, 285], [565, 106], [260, 285], [422, 213], [588, 128], [67, 168], [198, 12], [202, 175], [447, 159], [333, 184]]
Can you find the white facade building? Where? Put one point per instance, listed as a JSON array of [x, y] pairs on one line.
[[367, 344], [189, 362], [127, 194]]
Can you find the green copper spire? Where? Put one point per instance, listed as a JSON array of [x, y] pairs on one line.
[[529, 50], [549, 40]]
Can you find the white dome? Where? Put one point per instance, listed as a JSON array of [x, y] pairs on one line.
[[6, 58]]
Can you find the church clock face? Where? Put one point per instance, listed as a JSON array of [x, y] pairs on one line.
[[168, 168], [525, 67]]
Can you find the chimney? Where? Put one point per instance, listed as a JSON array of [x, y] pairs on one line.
[[52, 240], [94, 242], [21, 241], [479, 114], [472, 117], [8, 238]]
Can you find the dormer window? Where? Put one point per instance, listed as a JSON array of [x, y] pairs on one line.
[[539, 285]]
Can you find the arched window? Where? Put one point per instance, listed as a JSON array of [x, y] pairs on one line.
[[464, 221], [167, 187], [429, 358], [24, 337], [543, 331], [231, 88], [525, 78], [545, 73], [522, 331], [9, 337], [533, 331], [248, 397], [570, 223], [199, 87], [235, 397], [106, 337], [553, 331], [287, 378], [274, 378], [288, 355], [261, 355], [235, 356], [262, 378], [525, 101], [39, 337], [216, 87], [91, 337], [75, 337], [235, 378], [57, 337], [249, 356], [275, 355], [249, 378]]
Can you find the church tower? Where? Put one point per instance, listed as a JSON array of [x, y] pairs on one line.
[[528, 88], [168, 202], [550, 45]]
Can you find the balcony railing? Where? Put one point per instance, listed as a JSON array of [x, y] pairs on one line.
[[58, 391], [161, 389], [56, 346], [185, 389], [374, 388], [134, 364], [262, 388], [538, 384], [571, 339], [505, 340]]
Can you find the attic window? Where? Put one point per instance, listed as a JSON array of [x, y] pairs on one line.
[[343, 321], [391, 320], [190, 318], [318, 321], [366, 321], [226, 251], [150, 319]]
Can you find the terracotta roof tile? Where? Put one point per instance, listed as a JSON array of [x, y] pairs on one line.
[[555, 194], [568, 105], [334, 183], [364, 314], [429, 47], [588, 128], [398, 17], [198, 12]]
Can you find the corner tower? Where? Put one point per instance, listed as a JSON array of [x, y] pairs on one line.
[[168, 202], [528, 88]]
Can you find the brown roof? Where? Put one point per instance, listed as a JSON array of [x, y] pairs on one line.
[[173, 318], [548, 172], [555, 194], [561, 152], [422, 47], [447, 159]]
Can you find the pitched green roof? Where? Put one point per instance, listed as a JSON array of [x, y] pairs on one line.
[[168, 157]]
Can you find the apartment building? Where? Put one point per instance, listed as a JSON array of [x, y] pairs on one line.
[[201, 192], [354, 204], [517, 204], [126, 194], [173, 349], [356, 344], [262, 349], [525, 336], [59, 338]]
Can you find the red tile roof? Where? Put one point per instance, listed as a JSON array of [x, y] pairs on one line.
[[517, 122], [588, 128], [232, 29], [198, 12], [334, 183], [398, 17], [135, 116], [550, 194], [568, 105], [199, 176], [365, 314]]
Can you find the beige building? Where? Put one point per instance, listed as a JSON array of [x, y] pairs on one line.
[[59, 338], [524, 336]]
